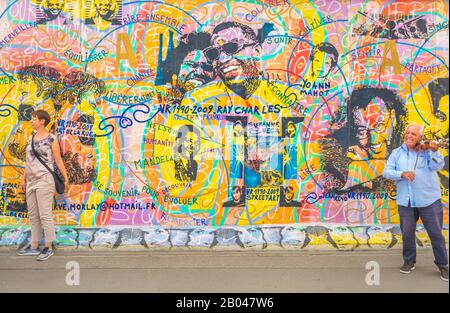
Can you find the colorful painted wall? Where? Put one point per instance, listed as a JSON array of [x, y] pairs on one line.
[[205, 123]]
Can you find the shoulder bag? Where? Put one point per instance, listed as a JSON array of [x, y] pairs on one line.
[[59, 182]]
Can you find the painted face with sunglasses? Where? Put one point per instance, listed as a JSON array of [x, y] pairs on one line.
[[196, 70], [235, 55], [374, 126]]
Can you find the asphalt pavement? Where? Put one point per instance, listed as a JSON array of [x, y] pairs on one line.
[[200, 271]]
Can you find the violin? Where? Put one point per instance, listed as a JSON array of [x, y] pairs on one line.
[[424, 145]]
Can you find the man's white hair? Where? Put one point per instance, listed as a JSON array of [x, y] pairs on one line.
[[420, 127]]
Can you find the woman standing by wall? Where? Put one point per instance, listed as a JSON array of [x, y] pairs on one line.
[[39, 184]]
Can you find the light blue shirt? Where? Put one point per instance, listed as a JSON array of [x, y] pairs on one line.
[[425, 188]]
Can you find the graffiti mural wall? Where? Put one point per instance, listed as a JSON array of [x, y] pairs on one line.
[[202, 122]]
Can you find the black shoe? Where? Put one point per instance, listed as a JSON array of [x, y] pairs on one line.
[[407, 267], [444, 273]]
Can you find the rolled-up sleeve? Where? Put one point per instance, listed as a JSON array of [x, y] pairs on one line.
[[435, 160]]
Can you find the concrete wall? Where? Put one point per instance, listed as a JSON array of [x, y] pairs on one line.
[[214, 119]]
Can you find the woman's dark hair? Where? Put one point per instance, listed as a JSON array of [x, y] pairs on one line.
[[41, 115]]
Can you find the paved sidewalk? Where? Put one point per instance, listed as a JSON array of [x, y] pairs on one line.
[[199, 271]]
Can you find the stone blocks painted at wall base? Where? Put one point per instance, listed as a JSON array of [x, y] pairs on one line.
[[296, 236]]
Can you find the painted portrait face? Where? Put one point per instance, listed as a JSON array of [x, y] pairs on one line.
[[291, 129], [379, 237], [28, 91], [179, 237], [196, 70], [67, 236], [374, 127], [54, 7], [104, 237], [412, 136], [289, 193], [238, 130], [157, 236], [190, 144], [251, 236], [322, 63], [343, 237], [234, 56], [201, 237], [293, 236], [106, 8], [237, 193]]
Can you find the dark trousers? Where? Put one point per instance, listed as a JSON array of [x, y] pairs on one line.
[[431, 216]]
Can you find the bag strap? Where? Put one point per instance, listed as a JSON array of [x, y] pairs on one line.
[[42, 162]]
